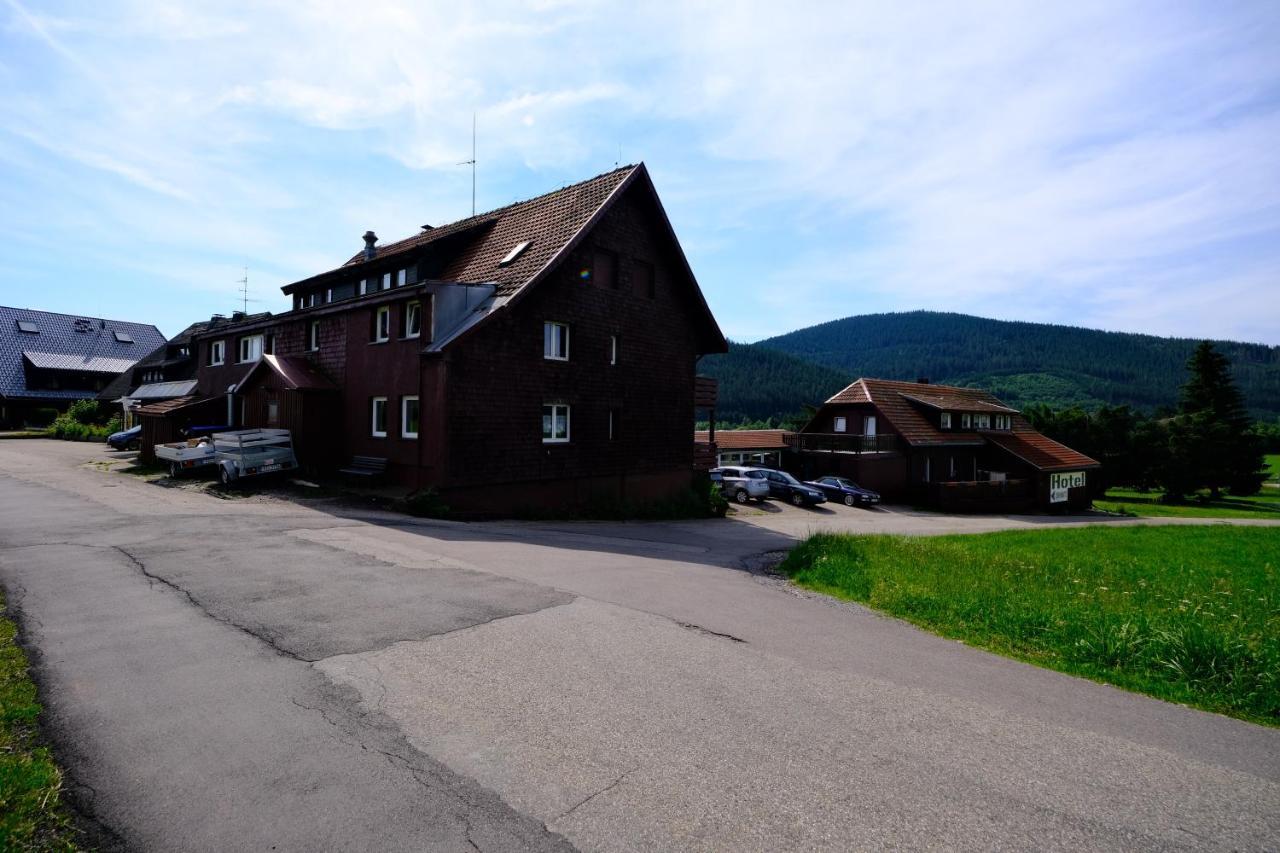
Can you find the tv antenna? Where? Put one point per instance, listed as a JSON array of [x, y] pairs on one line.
[[472, 164], [244, 290]]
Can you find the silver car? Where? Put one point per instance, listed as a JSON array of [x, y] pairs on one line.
[[741, 484]]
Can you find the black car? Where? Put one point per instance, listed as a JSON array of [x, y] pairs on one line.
[[126, 438], [783, 485], [845, 490]]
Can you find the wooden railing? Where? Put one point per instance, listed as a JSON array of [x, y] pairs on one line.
[[840, 442]]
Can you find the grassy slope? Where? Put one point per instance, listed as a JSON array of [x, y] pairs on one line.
[[1187, 614], [1273, 465], [1264, 505], [32, 816]]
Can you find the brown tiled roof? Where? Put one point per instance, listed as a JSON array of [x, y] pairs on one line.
[[744, 439], [1039, 450], [549, 222], [895, 399]]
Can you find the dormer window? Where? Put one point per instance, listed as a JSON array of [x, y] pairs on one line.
[[217, 353], [946, 420], [966, 421], [1004, 422], [982, 421], [250, 348]]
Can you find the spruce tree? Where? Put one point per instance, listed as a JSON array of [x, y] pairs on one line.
[[1212, 441]]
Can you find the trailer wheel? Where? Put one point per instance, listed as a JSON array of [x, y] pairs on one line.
[[174, 470], [224, 476]]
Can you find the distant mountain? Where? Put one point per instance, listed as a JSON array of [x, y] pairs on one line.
[[1022, 363], [757, 383]]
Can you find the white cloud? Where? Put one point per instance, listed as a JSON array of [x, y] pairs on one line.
[[1085, 162]]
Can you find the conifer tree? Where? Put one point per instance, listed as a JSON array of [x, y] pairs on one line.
[[1212, 442]]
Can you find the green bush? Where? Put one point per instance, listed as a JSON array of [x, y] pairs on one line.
[[85, 412]]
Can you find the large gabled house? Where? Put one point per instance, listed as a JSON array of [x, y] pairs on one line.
[[49, 360], [541, 354], [956, 448]]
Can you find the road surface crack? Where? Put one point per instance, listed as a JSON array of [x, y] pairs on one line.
[[606, 789], [260, 634], [701, 630]]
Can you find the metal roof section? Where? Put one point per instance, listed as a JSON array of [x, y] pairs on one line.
[[81, 363], [457, 307], [163, 390]]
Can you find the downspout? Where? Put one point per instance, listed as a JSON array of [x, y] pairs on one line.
[[231, 406]]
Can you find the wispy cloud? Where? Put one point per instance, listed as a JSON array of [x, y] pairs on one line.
[[1098, 163]]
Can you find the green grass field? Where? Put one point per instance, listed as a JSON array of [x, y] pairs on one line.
[[1273, 465], [1264, 505], [32, 816], [1187, 614]]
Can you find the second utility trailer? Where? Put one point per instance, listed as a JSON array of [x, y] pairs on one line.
[[252, 452]]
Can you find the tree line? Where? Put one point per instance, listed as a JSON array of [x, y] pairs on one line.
[[1208, 442]]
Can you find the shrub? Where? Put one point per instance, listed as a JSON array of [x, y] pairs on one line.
[[426, 503], [84, 412]]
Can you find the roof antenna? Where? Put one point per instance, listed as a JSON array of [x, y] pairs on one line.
[[472, 164], [244, 290]]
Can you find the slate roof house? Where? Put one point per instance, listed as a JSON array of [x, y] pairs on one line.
[[539, 354], [956, 448], [48, 360]]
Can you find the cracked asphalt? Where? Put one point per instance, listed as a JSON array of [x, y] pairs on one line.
[[252, 673]]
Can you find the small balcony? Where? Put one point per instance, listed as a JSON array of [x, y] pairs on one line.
[[841, 442]]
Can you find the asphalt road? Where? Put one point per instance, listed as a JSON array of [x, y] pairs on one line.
[[236, 674]]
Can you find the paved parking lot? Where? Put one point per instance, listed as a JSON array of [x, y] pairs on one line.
[[225, 674]]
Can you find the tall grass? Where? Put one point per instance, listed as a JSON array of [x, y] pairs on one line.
[[1188, 614]]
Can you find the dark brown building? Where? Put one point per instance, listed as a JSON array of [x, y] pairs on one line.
[[954, 448], [539, 354]]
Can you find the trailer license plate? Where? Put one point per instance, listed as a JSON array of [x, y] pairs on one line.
[[269, 467]]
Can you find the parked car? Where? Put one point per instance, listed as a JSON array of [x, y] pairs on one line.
[[783, 485], [126, 439], [845, 490], [741, 484]]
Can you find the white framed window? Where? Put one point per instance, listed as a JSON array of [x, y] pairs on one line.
[[946, 420], [555, 423], [982, 422], [413, 320], [1003, 422], [328, 295], [402, 278], [386, 281], [217, 353], [966, 421], [613, 349], [364, 286], [378, 425], [555, 341], [382, 324], [313, 335], [410, 413], [841, 425], [869, 425], [250, 348]]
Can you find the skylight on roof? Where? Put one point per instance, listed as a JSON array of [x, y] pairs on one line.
[[514, 253], [28, 326], [124, 337]]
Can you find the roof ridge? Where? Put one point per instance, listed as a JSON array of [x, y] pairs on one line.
[[481, 218]]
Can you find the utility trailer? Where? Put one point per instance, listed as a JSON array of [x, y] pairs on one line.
[[253, 452], [183, 456]]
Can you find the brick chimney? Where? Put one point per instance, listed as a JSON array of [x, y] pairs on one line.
[[369, 248]]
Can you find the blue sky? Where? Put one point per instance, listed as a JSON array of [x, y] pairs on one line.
[[1113, 165]]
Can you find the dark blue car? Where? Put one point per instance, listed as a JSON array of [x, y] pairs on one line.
[[125, 439], [845, 490]]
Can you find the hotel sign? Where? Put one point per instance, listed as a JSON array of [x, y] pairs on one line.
[[1061, 483]]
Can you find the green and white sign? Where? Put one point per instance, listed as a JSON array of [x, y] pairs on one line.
[[1061, 482]]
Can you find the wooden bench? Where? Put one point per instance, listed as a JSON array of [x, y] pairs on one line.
[[365, 466]]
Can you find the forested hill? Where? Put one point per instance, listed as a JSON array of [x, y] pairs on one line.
[[757, 384], [1022, 363]]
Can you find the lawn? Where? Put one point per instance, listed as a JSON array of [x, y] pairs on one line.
[[32, 816], [1187, 614], [1273, 465], [1264, 505]]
